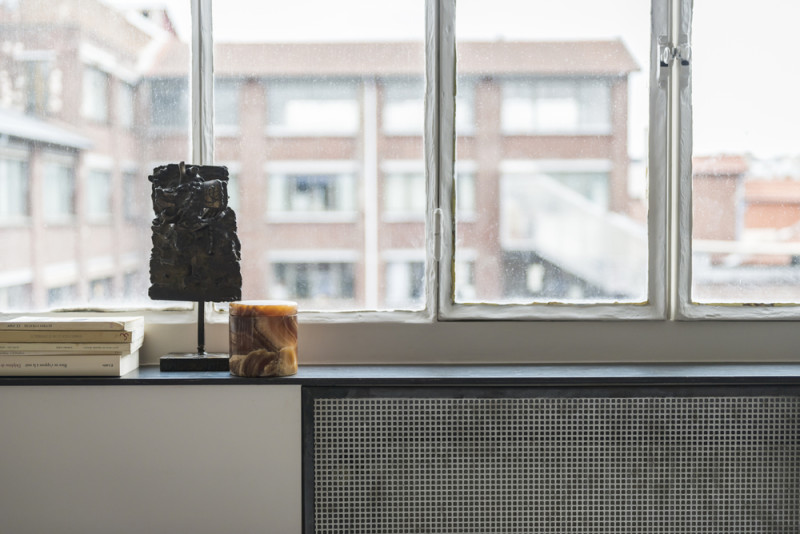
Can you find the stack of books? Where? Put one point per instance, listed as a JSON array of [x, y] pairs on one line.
[[70, 346]]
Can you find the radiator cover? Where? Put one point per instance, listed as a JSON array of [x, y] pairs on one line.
[[514, 460]]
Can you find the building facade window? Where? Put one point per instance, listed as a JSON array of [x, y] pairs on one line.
[[405, 284], [98, 195], [14, 190], [17, 297], [125, 105], [305, 194], [59, 190], [95, 95], [404, 195], [403, 111], [560, 106], [312, 107], [101, 289], [226, 106], [315, 282], [62, 295], [131, 206], [169, 103]]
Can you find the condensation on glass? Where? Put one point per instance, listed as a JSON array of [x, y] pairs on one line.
[[93, 95], [746, 156], [320, 120], [551, 129]]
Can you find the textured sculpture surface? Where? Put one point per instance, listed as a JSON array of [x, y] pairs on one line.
[[196, 251]]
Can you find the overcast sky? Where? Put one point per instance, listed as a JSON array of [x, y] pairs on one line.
[[745, 81]]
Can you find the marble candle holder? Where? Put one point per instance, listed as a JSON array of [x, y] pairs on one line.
[[263, 338]]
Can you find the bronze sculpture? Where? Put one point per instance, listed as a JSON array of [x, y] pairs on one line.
[[196, 251]]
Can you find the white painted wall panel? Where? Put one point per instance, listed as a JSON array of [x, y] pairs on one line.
[[132, 459]]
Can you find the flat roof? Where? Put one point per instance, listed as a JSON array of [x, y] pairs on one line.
[[14, 124], [548, 58]]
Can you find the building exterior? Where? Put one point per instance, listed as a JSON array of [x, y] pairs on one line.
[[70, 154]]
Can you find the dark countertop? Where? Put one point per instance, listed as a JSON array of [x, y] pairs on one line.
[[461, 375]]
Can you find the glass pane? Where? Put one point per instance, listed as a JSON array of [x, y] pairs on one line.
[[746, 155], [87, 109], [554, 136], [323, 119]]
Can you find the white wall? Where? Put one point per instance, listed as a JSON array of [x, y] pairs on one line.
[[136, 459]]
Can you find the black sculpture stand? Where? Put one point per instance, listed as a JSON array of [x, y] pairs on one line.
[[196, 252], [199, 361], [193, 362]]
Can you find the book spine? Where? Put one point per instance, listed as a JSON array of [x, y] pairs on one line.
[[72, 325], [68, 336], [97, 348], [79, 365]]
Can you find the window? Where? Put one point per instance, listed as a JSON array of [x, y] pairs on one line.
[[94, 104], [16, 298], [101, 289], [312, 107], [59, 190], [404, 105], [519, 155], [125, 105], [405, 282], [169, 103], [226, 106], [577, 106], [310, 282], [404, 195], [742, 173], [14, 179], [131, 208], [404, 190], [98, 195], [298, 195], [62, 295]]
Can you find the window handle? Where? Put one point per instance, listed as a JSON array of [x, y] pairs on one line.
[[668, 53]]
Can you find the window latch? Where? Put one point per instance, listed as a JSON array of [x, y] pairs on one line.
[[669, 53], [438, 223]]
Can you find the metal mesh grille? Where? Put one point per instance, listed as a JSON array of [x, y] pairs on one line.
[[551, 465]]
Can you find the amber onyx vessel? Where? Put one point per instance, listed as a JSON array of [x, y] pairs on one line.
[[263, 338]]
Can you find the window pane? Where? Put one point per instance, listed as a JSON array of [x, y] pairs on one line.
[[87, 90], [746, 156], [554, 207], [325, 184]]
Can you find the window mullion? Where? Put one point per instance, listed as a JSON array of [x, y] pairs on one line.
[[681, 139], [440, 150], [202, 82]]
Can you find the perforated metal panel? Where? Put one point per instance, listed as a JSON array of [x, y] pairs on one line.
[[556, 465]]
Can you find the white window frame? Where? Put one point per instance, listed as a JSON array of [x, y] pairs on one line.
[[419, 338]]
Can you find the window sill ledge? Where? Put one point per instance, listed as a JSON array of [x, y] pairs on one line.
[[604, 376]]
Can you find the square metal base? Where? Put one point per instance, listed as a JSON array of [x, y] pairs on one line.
[[183, 362]]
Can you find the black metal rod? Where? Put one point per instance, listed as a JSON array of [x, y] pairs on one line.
[[201, 328]]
